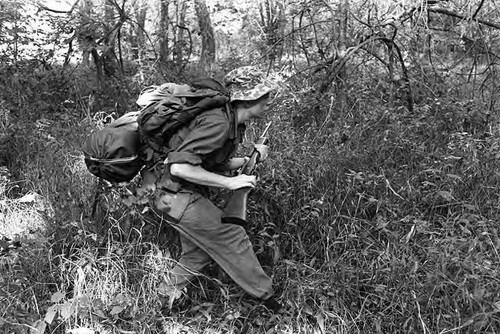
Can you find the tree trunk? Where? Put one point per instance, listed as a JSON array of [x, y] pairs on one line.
[[272, 18], [98, 65], [84, 34], [207, 57], [344, 25], [137, 32], [179, 42], [164, 49], [108, 54]]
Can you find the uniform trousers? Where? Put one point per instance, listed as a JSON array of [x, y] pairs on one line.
[[205, 238]]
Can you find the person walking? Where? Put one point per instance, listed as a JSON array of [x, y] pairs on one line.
[[200, 154]]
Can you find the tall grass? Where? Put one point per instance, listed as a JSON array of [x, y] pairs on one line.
[[370, 219], [394, 226]]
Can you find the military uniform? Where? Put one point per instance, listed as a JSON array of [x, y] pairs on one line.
[[210, 141]]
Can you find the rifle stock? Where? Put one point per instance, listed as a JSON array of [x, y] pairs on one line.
[[235, 211]]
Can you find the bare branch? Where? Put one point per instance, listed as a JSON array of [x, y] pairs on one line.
[[450, 13], [339, 63], [478, 9]]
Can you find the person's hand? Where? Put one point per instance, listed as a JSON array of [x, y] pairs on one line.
[[242, 181], [263, 151]]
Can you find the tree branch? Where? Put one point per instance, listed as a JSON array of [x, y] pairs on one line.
[[450, 13], [339, 63], [478, 9]]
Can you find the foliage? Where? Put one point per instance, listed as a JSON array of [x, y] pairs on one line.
[[376, 212], [393, 215]]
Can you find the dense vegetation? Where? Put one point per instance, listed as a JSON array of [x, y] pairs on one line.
[[377, 211]]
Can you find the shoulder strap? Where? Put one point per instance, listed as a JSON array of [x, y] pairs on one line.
[[233, 119]]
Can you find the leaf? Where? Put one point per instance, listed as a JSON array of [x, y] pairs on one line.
[[469, 207], [206, 314], [479, 294], [122, 298], [116, 309], [446, 195], [307, 310], [455, 177], [258, 322], [320, 321], [66, 310], [51, 313], [100, 313], [28, 198], [129, 201], [172, 292], [57, 297], [84, 301], [38, 327], [233, 314], [410, 234]]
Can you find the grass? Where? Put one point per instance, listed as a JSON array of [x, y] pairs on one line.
[[22, 215], [388, 225]]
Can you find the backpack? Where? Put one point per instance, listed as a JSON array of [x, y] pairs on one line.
[[112, 153], [119, 151]]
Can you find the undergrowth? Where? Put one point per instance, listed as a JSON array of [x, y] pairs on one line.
[[374, 220]]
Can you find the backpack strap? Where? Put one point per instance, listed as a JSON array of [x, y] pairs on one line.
[[233, 119]]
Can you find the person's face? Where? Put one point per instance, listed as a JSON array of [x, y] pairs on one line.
[[258, 110]]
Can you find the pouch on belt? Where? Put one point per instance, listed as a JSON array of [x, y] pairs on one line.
[[173, 204]]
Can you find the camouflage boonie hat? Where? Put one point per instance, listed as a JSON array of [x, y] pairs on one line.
[[247, 83]]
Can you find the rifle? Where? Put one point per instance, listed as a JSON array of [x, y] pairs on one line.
[[235, 211]]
